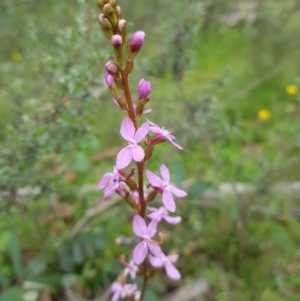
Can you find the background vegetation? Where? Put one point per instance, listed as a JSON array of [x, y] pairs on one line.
[[225, 78]]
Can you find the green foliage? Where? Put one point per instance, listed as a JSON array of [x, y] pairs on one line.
[[213, 65]]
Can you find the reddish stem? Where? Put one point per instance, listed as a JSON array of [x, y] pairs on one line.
[[128, 97], [140, 166]]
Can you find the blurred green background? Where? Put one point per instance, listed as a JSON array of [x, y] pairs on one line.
[[225, 78]]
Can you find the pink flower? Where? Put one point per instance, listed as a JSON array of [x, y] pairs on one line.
[[110, 180], [145, 232], [121, 290], [109, 79], [158, 214], [136, 41], [144, 88], [161, 260], [162, 135], [131, 269], [164, 186], [133, 137]]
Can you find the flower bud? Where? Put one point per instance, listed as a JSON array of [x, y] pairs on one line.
[[118, 11], [108, 9], [122, 24], [101, 18], [144, 88], [109, 80], [113, 3], [116, 41], [111, 67], [101, 3], [105, 25], [104, 22], [136, 41]]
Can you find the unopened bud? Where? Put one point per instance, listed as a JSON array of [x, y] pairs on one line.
[[136, 41], [113, 3], [111, 67], [108, 9], [109, 80], [116, 41], [101, 18], [101, 3], [122, 24], [118, 11], [105, 25], [144, 88], [151, 196]]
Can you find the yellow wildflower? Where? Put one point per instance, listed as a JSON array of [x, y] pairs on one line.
[[291, 90], [16, 56], [264, 114]]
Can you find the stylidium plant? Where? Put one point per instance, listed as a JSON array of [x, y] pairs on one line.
[[151, 197]]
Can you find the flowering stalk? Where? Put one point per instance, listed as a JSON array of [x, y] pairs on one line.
[[141, 136]]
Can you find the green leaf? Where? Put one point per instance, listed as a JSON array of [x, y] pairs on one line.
[[36, 266], [280, 236], [4, 241], [11, 294], [15, 254]]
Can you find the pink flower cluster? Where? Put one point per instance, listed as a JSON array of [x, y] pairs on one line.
[[151, 196], [117, 181]]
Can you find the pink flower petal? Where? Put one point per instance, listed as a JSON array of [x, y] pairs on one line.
[[109, 190], [116, 296], [164, 171], [147, 111], [116, 288], [168, 200], [140, 252], [173, 258], [152, 228], [178, 192], [138, 153], [172, 219], [174, 143], [172, 272], [156, 261], [124, 157], [155, 130], [142, 132], [155, 249], [127, 129], [154, 179], [139, 226], [104, 181]]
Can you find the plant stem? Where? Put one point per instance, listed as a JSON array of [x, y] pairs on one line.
[[145, 281], [140, 166], [128, 97]]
